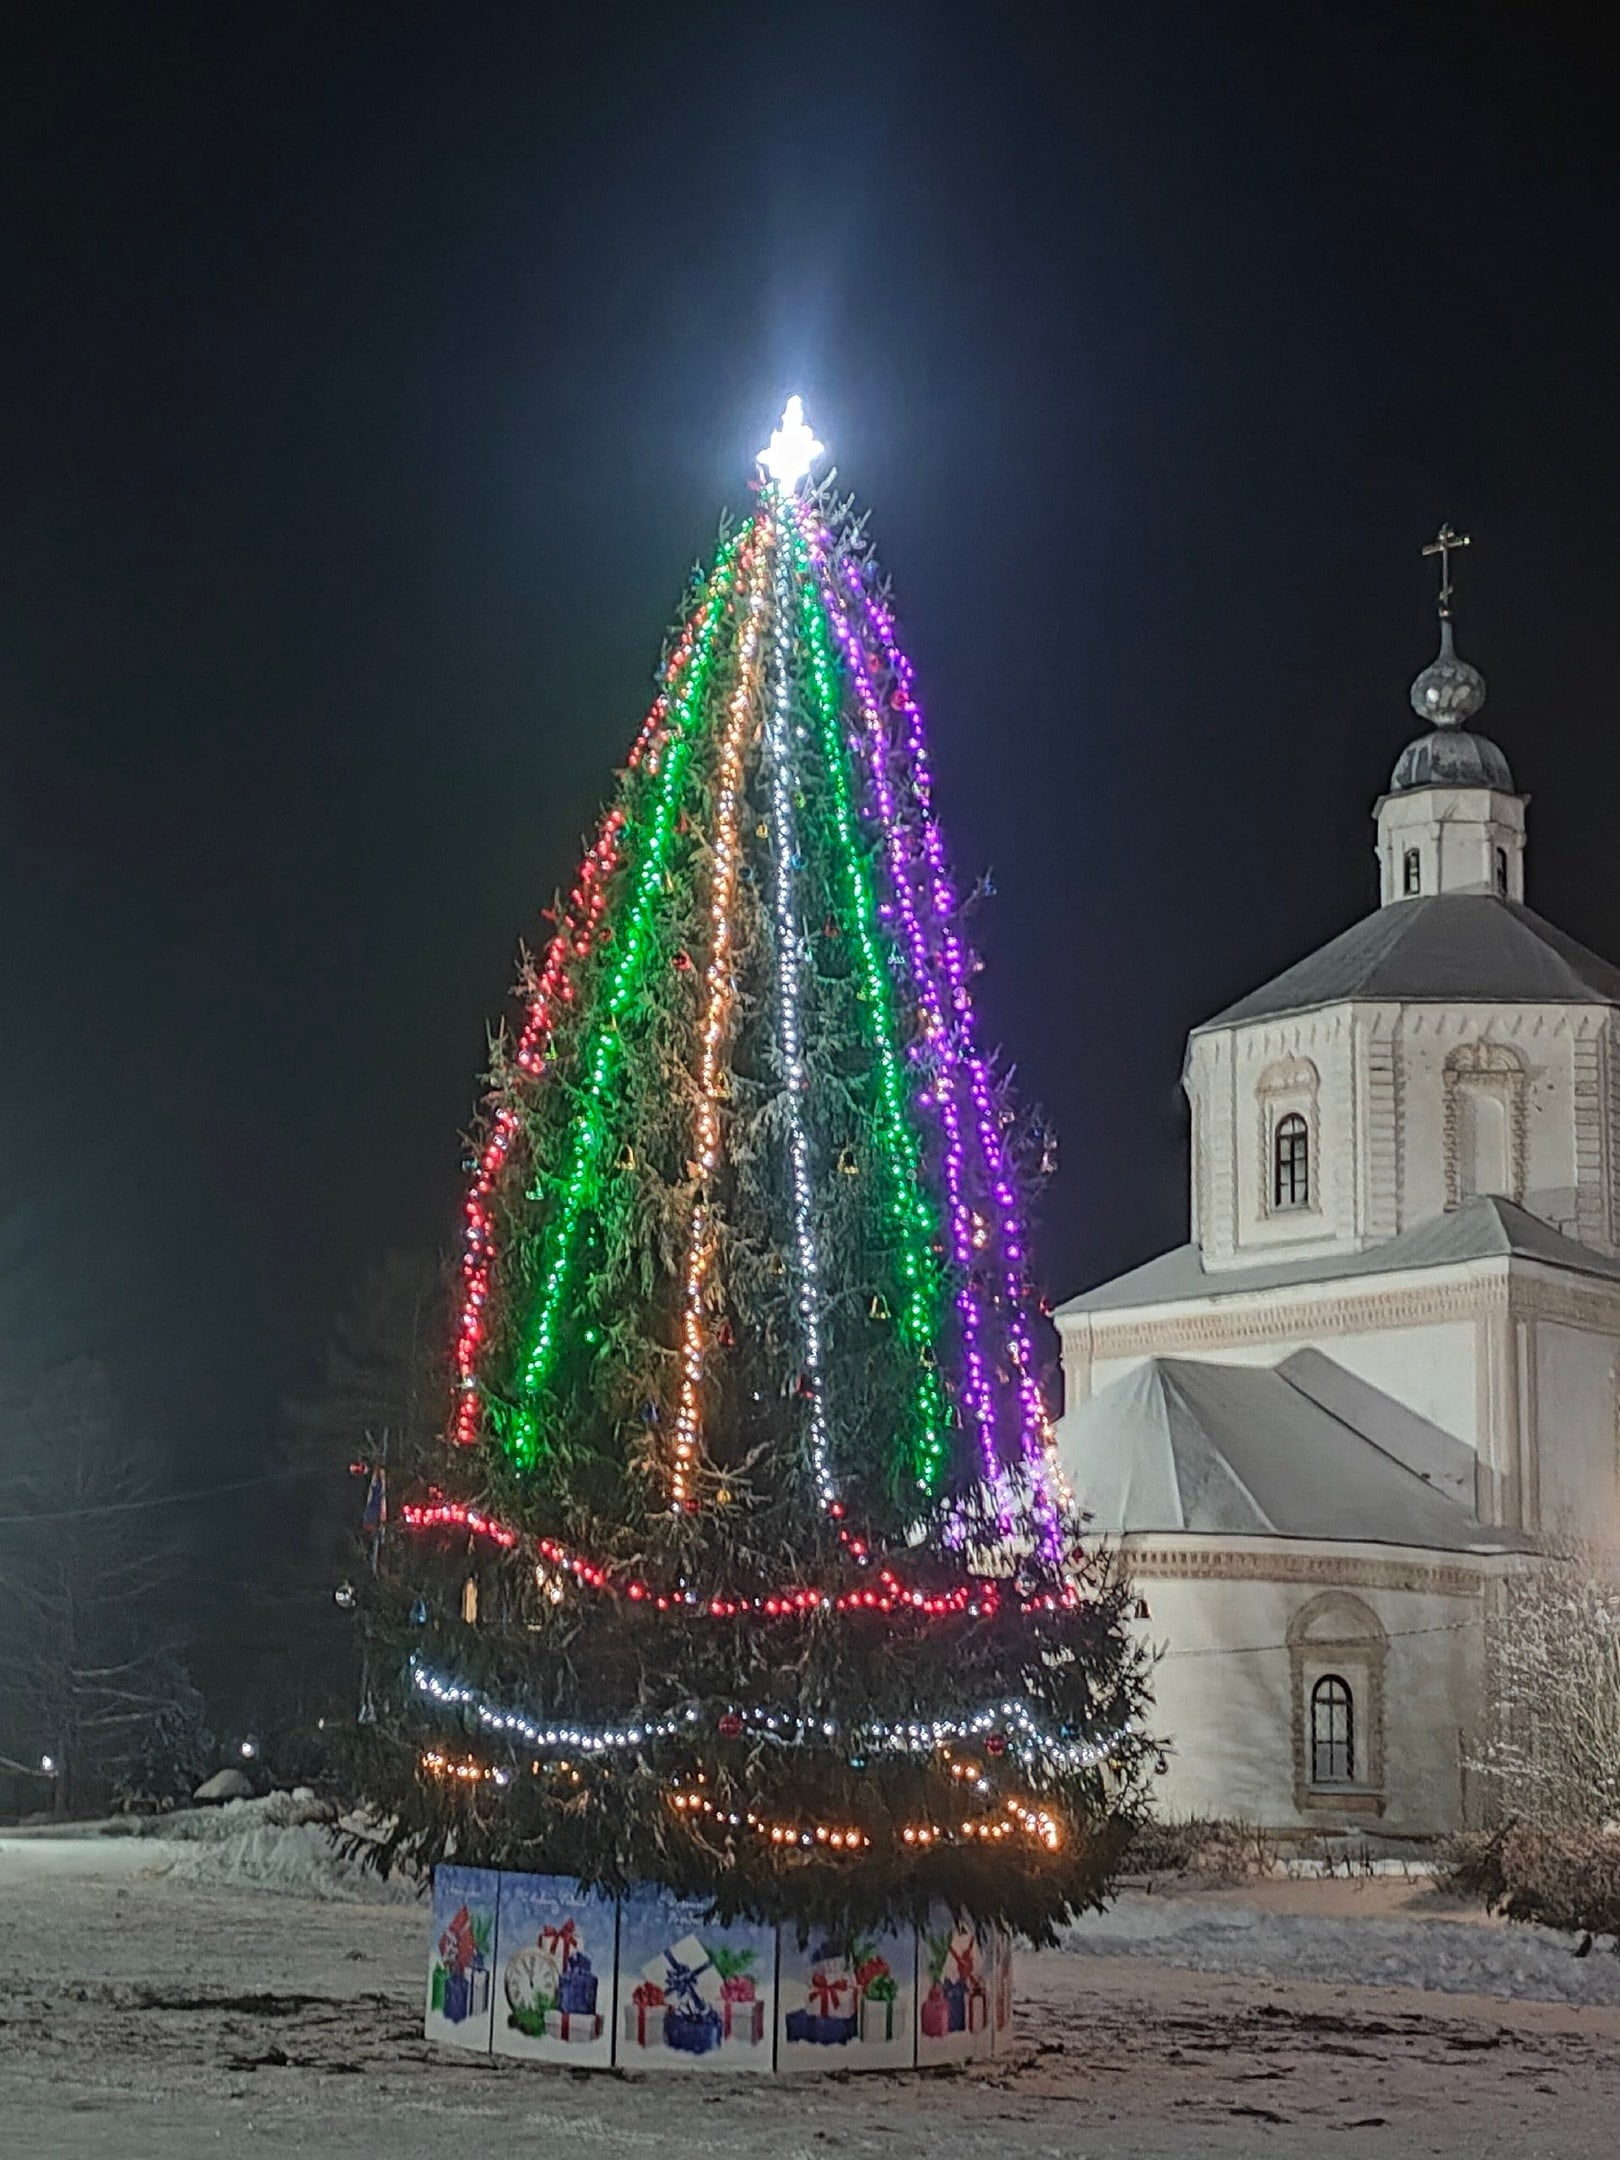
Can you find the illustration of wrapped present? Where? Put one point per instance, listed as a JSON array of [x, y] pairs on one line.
[[459, 1986], [742, 2014], [876, 1990], [683, 1988], [574, 2015], [644, 2015], [957, 2000], [573, 2025], [964, 1982], [935, 2013], [829, 2017]]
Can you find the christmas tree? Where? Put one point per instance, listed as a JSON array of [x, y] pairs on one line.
[[746, 1568]]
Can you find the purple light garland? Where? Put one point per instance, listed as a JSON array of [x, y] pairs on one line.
[[948, 1031], [874, 744]]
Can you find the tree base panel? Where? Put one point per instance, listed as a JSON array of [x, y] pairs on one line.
[[532, 1967]]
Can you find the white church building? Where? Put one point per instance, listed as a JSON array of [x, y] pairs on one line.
[[1384, 1367]]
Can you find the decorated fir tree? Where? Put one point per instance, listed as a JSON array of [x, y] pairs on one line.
[[746, 1568]]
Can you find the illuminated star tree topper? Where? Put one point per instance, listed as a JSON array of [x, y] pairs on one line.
[[792, 449]]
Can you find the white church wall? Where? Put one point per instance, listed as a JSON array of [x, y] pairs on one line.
[[1433, 1701], [1221, 1697], [1397, 1137], [1241, 1083], [1225, 1699], [1432, 1370], [1576, 1443], [1436, 1163]]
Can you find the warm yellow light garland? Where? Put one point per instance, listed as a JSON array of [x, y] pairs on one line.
[[463, 1769], [1036, 1823], [720, 1000]]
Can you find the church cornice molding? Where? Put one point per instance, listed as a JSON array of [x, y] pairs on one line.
[[1343, 1571], [1441, 1017], [1594, 1308], [1509, 1288], [1487, 1023]]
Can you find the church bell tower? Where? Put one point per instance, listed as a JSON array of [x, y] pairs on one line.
[[1451, 822]]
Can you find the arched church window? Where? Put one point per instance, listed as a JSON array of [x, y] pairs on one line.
[[1333, 1731], [1291, 1163], [1484, 1162], [1486, 1122], [1501, 871], [1412, 871]]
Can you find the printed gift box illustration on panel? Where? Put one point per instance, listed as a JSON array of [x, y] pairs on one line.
[[956, 1961], [693, 1994], [554, 1981], [850, 2005], [463, 1953]]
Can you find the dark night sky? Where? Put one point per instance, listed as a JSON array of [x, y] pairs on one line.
[[371, 375]]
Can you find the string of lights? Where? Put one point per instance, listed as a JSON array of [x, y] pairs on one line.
[[967, 1230], [885, 1592], [1038, 1440], [604, 1050], [1036, 1823], [720, 1000], [789, 992], [569, 945], [1011, 1720], [909, 1207], [693, 1805], [464, 1769]]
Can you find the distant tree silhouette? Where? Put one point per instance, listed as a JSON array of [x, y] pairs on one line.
[[91, 1575]]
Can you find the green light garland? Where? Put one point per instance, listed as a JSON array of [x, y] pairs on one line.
[[899, 1147], [580, 1183]]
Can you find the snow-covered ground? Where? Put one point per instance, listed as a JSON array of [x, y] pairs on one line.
[[278, 1844], [1385, 1932], [152, 2005]]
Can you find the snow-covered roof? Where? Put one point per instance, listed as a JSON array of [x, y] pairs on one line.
[[1487, 1228], [1177, 1445]]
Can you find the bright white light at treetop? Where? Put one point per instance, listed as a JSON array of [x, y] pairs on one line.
[[792, 449]]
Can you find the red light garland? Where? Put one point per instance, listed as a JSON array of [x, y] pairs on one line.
[[888, 1594], [572, 942]]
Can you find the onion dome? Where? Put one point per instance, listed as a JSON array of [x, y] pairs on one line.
[[1447, 693]]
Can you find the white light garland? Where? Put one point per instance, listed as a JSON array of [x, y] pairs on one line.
[[1027, 1738], [789, 982]]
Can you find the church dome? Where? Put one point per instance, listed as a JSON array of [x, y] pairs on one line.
[[1451, 757], [1447, 693]]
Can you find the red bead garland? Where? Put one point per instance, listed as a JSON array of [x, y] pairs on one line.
[[980, 1599]]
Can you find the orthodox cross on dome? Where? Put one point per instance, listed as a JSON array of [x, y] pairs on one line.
[[792, 449], [1442, 544]]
